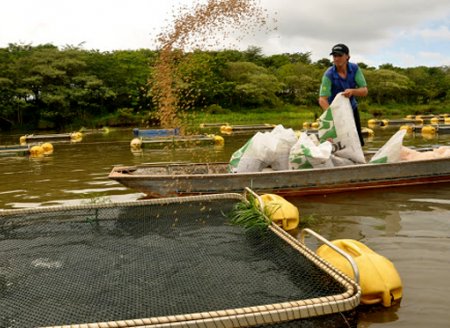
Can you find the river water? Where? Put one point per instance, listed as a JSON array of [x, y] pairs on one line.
[[408, 225]]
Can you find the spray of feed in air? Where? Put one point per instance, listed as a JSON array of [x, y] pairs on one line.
[[201, 26]]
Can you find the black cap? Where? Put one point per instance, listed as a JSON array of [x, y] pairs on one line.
[[340, 49]]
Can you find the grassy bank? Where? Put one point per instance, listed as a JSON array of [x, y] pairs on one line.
[[294, 116]]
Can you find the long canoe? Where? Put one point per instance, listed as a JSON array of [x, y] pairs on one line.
[[178, 179]]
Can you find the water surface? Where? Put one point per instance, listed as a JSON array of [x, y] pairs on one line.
[[410, 226]]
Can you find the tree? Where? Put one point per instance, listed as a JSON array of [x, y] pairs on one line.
[[301, 83], [386, 86], [253, 84]]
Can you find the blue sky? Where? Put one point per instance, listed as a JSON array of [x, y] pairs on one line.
[[404, 33]]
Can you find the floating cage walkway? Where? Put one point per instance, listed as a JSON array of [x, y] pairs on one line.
[[170, 262]]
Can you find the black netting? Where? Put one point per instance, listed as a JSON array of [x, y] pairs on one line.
[[127, 262]]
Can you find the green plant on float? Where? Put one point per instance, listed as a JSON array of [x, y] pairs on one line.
[[248, 214]]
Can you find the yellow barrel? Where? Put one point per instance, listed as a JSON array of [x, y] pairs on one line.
[[379, 280], [281, 212]]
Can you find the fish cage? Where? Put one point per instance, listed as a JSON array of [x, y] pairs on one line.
[[169, 262]]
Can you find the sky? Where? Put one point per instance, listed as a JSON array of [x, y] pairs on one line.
[[404, 33]]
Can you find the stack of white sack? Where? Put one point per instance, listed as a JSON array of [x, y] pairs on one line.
[[264, 150]]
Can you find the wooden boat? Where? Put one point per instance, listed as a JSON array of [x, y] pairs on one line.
[[177, 179]]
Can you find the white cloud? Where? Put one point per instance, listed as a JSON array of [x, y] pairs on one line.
[[441, 33], [372, 29]]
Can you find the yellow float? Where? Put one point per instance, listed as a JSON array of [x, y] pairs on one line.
[[379, 280], [48, 148], [36, 151], [408, 128], [76, 136], [226, 129], [136, 143], [429, 130], [281, 212], [218, 140]]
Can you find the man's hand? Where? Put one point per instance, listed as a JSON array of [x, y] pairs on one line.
[[348, 93]]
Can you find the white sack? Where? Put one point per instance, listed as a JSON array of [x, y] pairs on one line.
[[391, 151], [305, 154], [263, 150], [337, 123], [286, 139]]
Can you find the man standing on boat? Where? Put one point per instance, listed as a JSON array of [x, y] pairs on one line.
[[343, 77]]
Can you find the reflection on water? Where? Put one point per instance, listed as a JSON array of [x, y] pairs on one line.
[[410, 226]]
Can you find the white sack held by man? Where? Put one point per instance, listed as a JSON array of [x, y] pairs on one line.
[[338, 124]]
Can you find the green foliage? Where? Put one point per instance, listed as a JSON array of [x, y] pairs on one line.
[[68, 86]]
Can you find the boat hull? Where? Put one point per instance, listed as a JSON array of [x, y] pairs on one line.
[[207, 178]]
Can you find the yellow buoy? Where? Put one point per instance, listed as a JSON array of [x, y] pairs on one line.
[[368, 132], [226, 129], [23, 140], [282, 212], [48, 148], [36, 151], [136, 143], [428, 129], [314, 125], [447, 120], [434, 120], [385, 122], [76, 136], [379, 280], [419, 121], [408, 128], [372, 121], [306, 125], [410, 117], [219, 141]]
